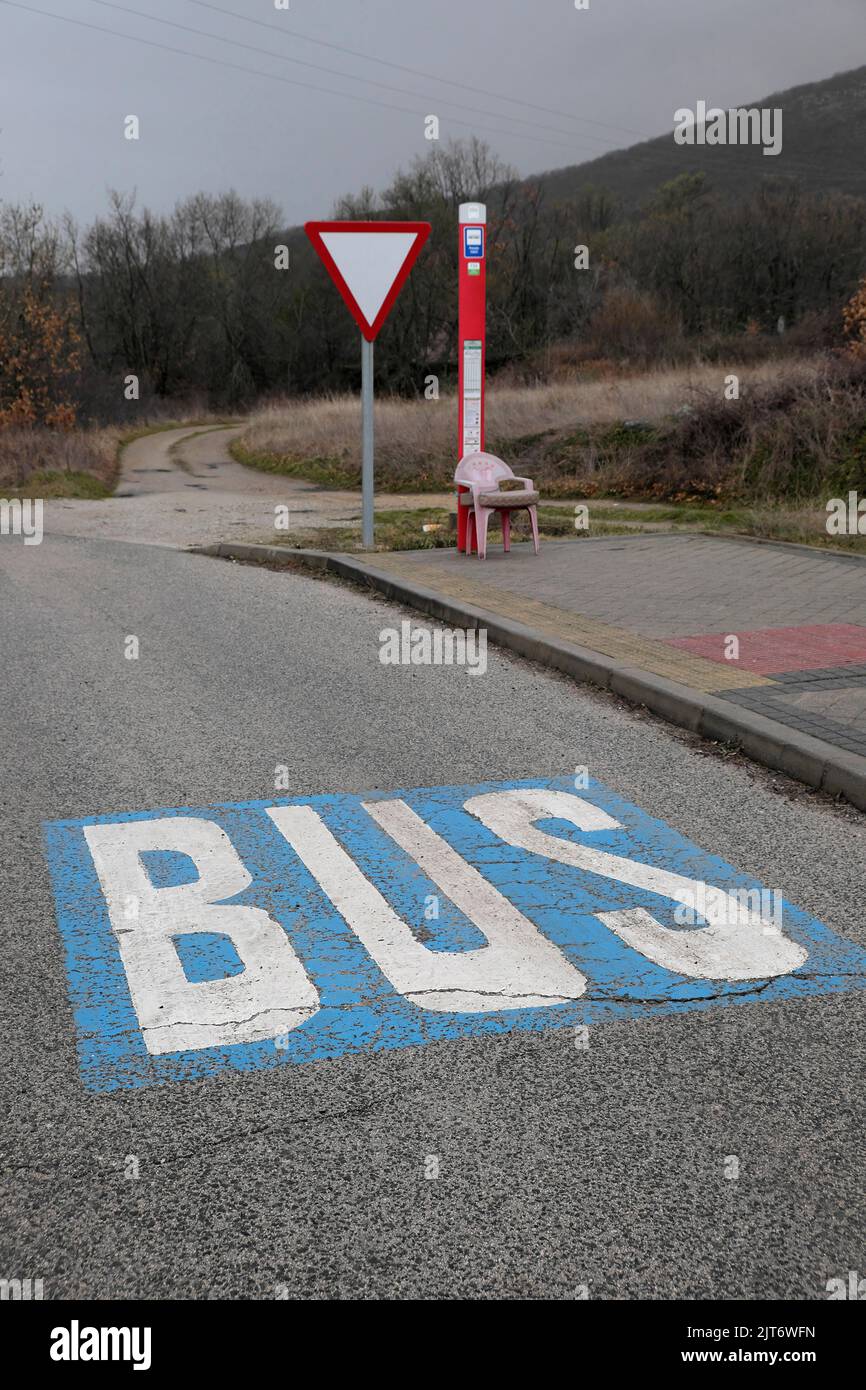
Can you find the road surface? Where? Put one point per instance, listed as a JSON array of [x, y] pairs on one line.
[[563, 1171]]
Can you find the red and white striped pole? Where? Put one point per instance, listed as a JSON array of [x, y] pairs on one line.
[[471, 339]]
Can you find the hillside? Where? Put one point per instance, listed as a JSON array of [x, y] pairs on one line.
[[824, 139]]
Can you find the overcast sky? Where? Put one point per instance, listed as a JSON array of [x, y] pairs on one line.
[[624, 64]]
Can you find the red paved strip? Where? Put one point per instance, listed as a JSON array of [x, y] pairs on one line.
[[775, 649]]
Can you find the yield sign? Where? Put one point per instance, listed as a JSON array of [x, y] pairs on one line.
[[369, 263]]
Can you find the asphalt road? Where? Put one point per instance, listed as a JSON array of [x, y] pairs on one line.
[[558, 1168]]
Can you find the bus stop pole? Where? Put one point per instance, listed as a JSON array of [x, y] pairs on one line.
[[471, 343], [367, 444]]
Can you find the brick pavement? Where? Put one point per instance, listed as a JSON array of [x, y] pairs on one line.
[[668, 603]]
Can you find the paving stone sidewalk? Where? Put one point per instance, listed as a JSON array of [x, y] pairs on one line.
[[670, 605]]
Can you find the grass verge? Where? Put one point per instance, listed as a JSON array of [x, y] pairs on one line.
[[405, 529]]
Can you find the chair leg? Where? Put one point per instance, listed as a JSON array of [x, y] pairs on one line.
[[482, 517], [533, 521], [470, 533], [506, 531]]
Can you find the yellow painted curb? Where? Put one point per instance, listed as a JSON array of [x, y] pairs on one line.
[[643, 652]]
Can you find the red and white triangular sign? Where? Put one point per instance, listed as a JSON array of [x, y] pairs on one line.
[[369, 263]]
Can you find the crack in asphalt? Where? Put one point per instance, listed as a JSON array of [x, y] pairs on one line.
[[593, 997], [222, 1141]]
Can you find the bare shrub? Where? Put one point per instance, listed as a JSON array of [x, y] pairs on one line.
[[854, 318], [29, 453], [796, 438], [416, 440], [635, 324]]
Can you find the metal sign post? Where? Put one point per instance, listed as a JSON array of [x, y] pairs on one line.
[[471, 339], [369, 263], [367, 443]]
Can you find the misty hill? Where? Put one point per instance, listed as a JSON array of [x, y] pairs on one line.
[[824, 142]]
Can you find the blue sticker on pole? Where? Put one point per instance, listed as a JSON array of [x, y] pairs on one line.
[[473, 243], [268, 933]]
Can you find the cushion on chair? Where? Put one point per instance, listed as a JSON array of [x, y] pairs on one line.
[[524, 498]]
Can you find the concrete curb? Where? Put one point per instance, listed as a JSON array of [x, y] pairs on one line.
[[766, 741]]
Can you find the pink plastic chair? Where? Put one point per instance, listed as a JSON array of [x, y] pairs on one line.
[[482, 474]]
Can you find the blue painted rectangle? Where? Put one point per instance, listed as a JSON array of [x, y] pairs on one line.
[[473, 243], [360, 1010]]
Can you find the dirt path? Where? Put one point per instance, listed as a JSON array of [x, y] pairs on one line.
[[181, 488]]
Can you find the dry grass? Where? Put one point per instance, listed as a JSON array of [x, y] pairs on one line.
[[796, 439], [83, 462], [54, 463], [415, 440]]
